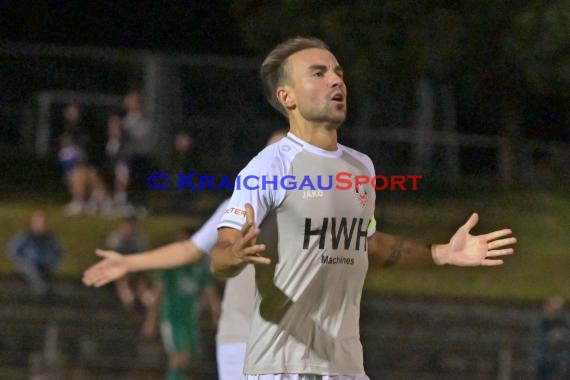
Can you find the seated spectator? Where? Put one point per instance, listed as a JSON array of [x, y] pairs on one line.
[[183, 161], [127, 239], [115, 167], [36, 254], [553, 342], [140, 142], [88, 194], [74, 124]]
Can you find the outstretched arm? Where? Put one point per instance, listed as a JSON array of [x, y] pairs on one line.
[[114, 265], [385, 250], [463, 249]]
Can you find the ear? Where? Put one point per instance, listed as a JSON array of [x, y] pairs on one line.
[[286, 96]]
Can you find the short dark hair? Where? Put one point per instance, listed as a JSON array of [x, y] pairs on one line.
[[272, 70]]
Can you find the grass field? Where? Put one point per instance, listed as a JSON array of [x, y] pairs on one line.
[[540, 220]]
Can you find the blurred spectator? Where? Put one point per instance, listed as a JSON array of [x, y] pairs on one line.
[[73, 160], [180, 292], [36, 254], [115, 167], [85, 187], [553, 341], [74, 125], [182, 162], [70, 155], [127, 239], [139, 147]]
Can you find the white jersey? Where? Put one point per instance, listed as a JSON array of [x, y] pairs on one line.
[[239, 293], [307, 307], [207, 236]]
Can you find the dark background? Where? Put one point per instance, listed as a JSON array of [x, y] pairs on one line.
[[190, 26]]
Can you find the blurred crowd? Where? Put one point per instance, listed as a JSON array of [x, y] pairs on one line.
[[104, 170], [171, 301], [110, 177]]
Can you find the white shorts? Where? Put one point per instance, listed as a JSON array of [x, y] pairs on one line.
[[290, 376], [231, 359]]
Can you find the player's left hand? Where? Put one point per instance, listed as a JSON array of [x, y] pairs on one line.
[[245, 248], [468, 250]]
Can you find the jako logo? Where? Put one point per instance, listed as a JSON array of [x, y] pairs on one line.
[[313, 194]]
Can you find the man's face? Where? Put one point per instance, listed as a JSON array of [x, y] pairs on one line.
[[114, 127], [182, 142], [71, 113], [38, 223], [318, 87], [126, 228], [133, 102], [554, 306]]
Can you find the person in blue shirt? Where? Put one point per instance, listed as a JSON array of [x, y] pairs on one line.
[[36, 254], [553, 343]]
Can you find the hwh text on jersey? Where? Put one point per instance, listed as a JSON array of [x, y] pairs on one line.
[[339, 231]]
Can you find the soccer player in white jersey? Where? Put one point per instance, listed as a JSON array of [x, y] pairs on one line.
[[311, 247], [238, 300]]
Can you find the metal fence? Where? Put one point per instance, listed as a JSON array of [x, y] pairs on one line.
[[219, 101]]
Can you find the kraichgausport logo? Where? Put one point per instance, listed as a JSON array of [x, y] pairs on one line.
[[312, 185]]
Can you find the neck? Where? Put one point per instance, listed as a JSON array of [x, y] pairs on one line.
[[323, 136]]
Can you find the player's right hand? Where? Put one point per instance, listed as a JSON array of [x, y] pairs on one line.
[[245, 248], [111, 268]]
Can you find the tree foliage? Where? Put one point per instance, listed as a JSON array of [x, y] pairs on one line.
[[403, 38], [496, 50]]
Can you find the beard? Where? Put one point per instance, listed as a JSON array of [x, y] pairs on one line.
[[329, 115]]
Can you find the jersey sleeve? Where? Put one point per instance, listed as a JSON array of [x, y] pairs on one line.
[[258, 185], [371, 173], [205, 238], [371, 227]]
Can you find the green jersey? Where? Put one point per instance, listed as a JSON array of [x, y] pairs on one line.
[[180, 305]]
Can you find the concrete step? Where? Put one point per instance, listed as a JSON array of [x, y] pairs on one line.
[[403, 337]]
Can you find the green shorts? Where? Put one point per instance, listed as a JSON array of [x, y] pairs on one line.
[[180, 337]]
